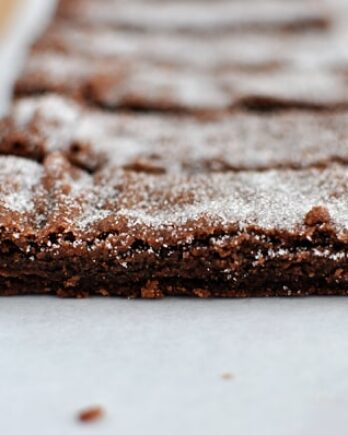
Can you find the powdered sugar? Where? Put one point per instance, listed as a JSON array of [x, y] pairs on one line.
[[207, 52], [170, 208], [185, 147], [272, 199], [19, 179], [58, 118], [193, 55], [191, 16], [155, 85], [186, 144]]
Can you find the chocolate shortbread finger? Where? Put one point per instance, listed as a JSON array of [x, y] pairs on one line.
[[208, 52], [114, 84], [69, 233], [92, 139], [138, 85], [199, 17], [161, 67]]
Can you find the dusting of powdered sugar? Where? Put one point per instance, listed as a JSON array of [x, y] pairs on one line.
[[274, 199], [58, 66], [51, 108], [271, 199], [192, 17], [303, 85], [154, 84], [186, 144], [54, 119], [72, 196], [18, 181], [209, 51], [190, 56]]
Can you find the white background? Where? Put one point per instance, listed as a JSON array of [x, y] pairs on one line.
[[156, 366]]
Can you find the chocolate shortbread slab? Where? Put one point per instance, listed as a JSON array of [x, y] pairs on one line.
[[162, 67], [199, 17], [115, 85], [149, 83], [154, 143], [67, 232], [140, 171], [250, 52]]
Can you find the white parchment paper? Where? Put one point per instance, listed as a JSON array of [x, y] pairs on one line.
[[156, 366]]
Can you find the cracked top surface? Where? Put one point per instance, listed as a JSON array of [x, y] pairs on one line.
[[157, 143], [207, 51], [193, 56], [89, 174], [37, 200], [150, 85], [192, 16]]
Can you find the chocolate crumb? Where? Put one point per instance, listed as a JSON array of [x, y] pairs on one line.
[[317, 215], [151, 291], [91, 414], [227, 376]]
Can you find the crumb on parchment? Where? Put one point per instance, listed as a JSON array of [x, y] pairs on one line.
[[91, 414], [227, 376]]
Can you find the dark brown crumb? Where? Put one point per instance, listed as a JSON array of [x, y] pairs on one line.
[[91, 414]]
